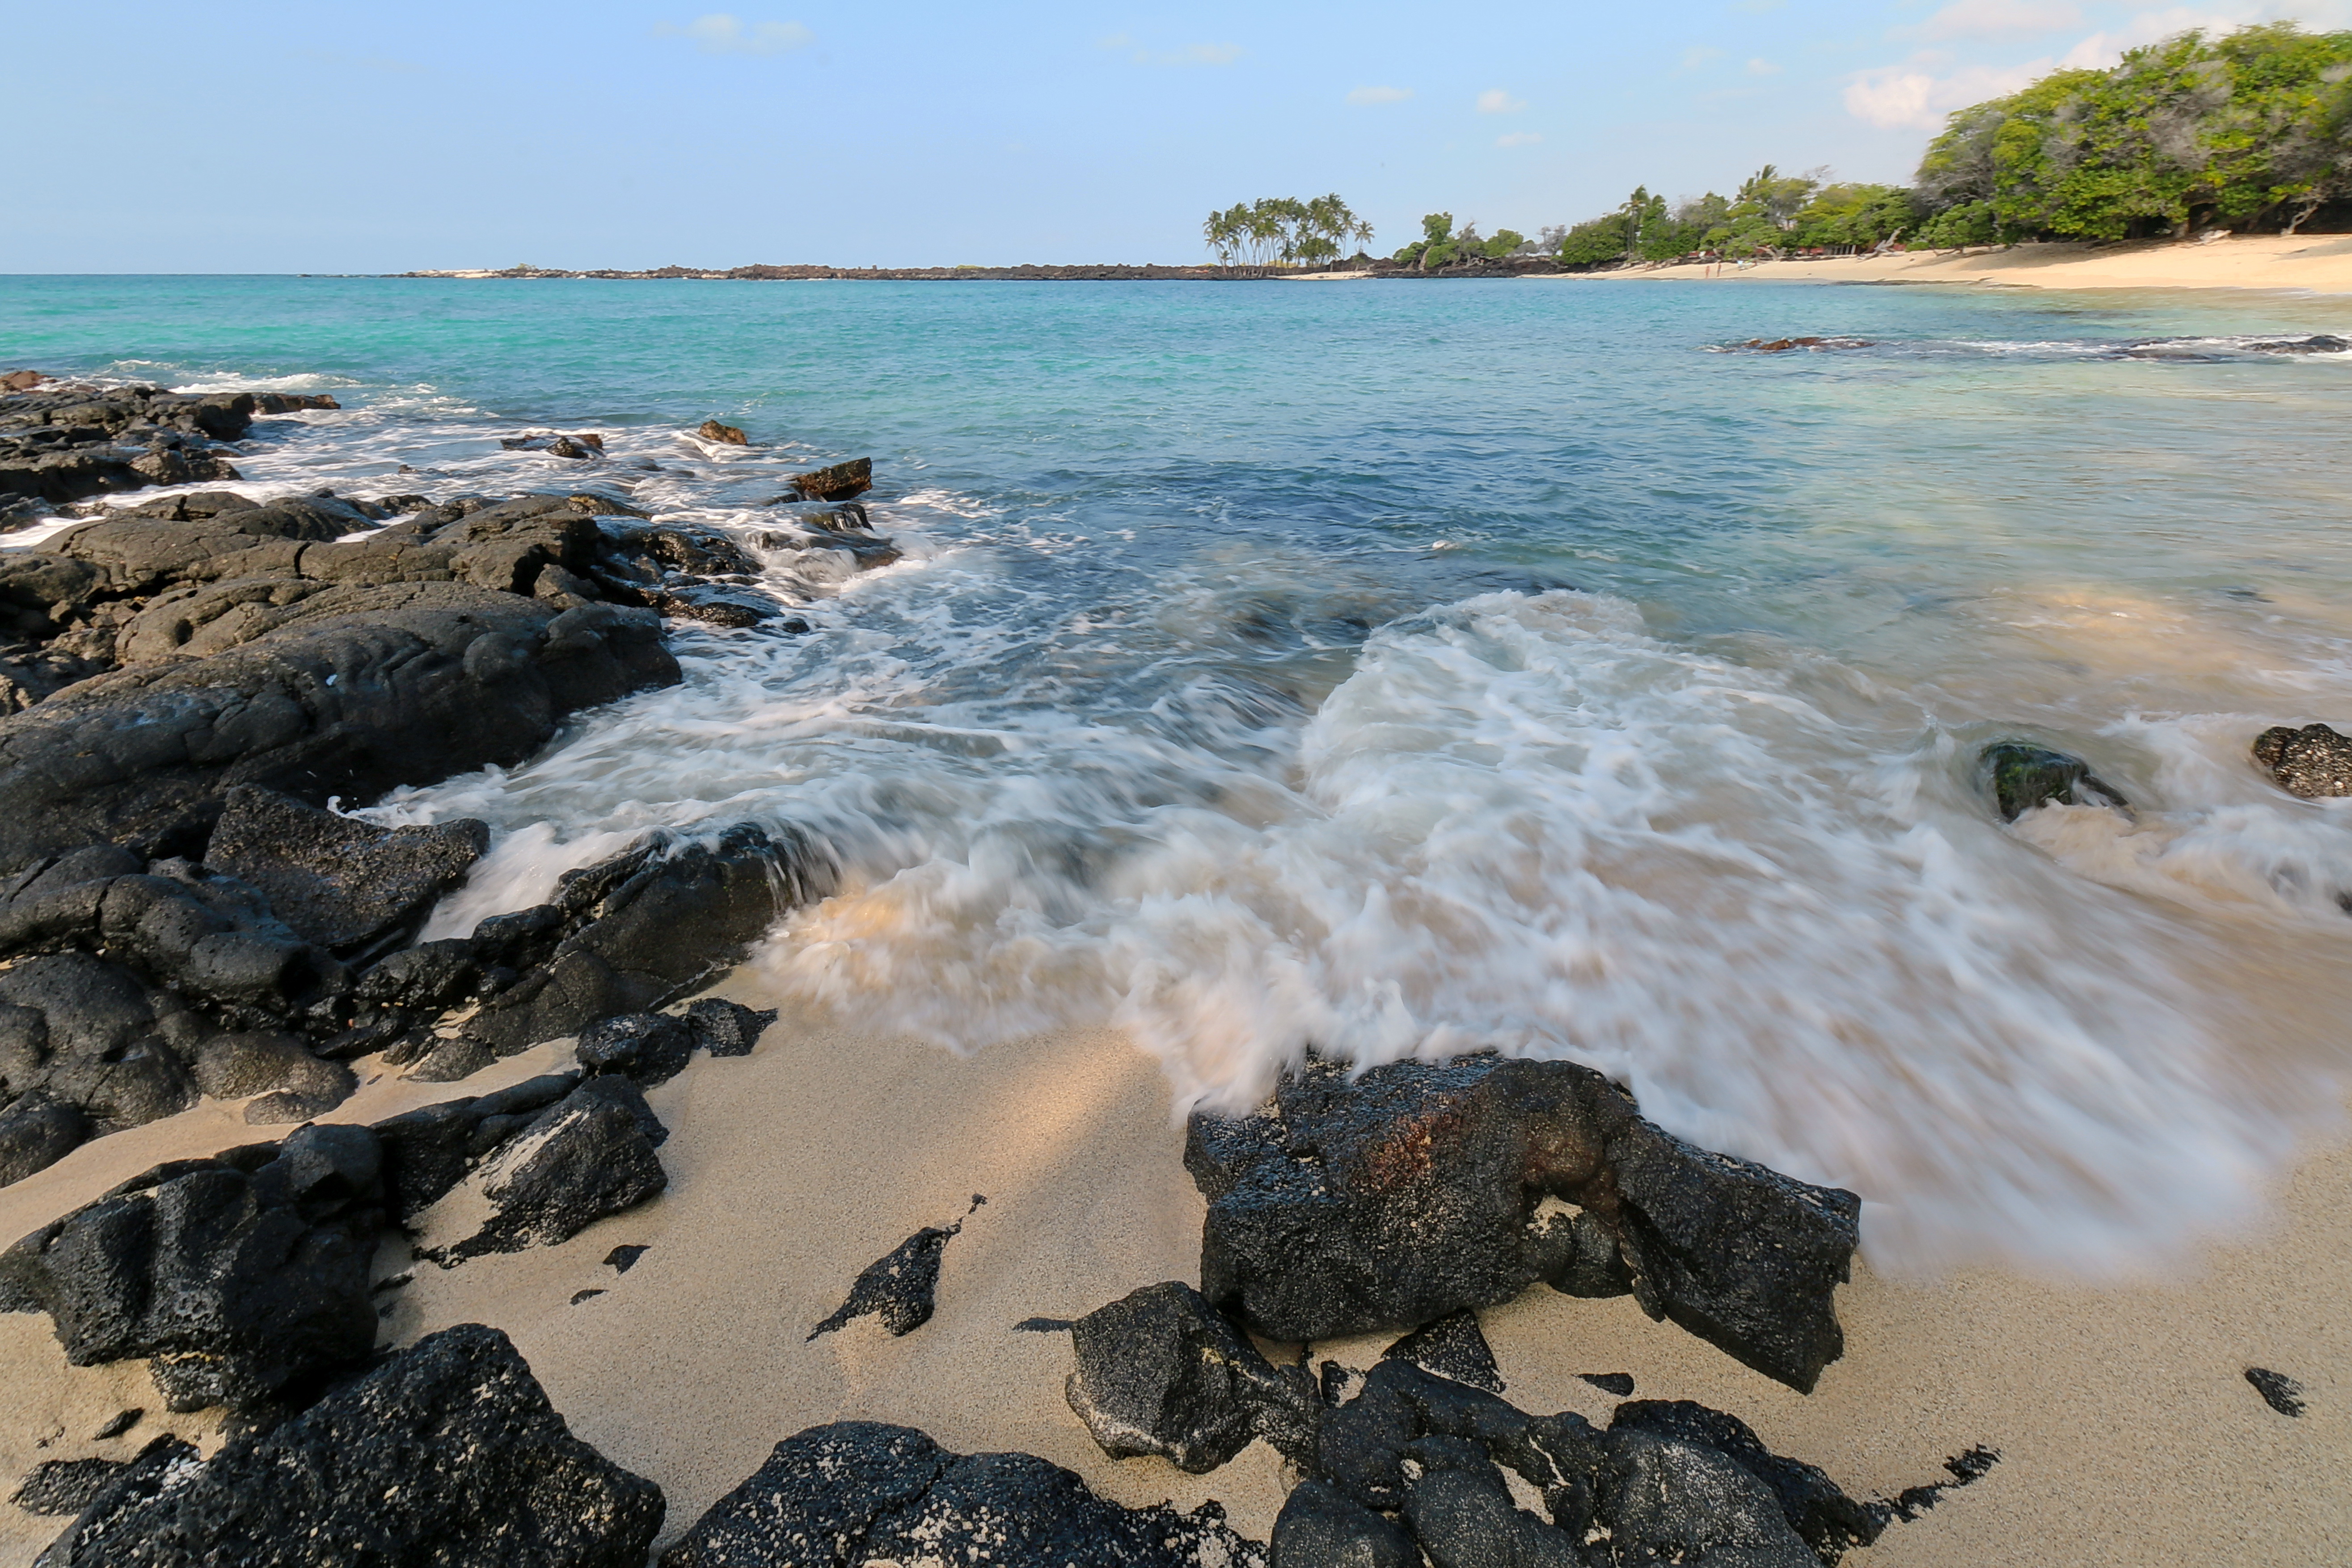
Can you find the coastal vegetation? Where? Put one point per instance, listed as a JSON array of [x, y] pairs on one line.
[[1284, 230], [2248, 132]]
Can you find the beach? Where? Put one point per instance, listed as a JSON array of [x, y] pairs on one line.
[[2319, 263]]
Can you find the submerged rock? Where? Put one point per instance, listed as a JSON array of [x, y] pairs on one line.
[[858, 1492], [723, 434], [842, 481], [2314, 761], [1161, 1371], [238, 1276], [448, 1453], [1413, 1192], [2023, 776]]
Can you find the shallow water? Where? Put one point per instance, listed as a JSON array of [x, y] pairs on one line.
[[1395, 669]]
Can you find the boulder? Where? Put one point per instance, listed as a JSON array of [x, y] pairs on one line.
[[858, 1492], [840, 481], [1321, 1527], [37, 1131], [92, 1036], [425, 680], [634, 931], [2314, 761], [1161, 1371], [447, 1453], [588, 1155], [1413, 1190], [1460, 1510], [238, 1276], [276, 1071], [2022, 775], [65, 1486], [726, 1028], [724, 434], [651, 1047], [337, 881], [290, 402], [428, 1151]]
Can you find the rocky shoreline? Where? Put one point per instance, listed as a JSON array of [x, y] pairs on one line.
[[199, 678], [1472, 266]]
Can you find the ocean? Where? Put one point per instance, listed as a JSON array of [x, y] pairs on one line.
[[1393, 668]]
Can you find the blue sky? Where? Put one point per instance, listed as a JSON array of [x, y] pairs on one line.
[[340, 137]]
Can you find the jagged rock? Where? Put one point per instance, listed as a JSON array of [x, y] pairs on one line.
[[588, 1155], [858, 1492], [297, 1085], [651, 1047], [725, 435], [290, 402], [1412, 1193], [428, 1151], [337, 881], [1823, 1517], [1460, 1510], [1669, 1502], [236, 1274], [2024, 776], [65, 1486], [59, 443], [1454, 1347], [899, 1287], [1620, 1384], [2314, 761], [93, 1036], [718, 606], [418, 681], [623, 1259], [1161, 1371], [842, 481], [1321, 1527], [448, 1453], [640, 928], [451, 1060], [2280, 1391], [726, 1028], [36, 1133]]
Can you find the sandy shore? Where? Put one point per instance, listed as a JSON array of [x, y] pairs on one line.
[[2318, 263], [2130, 1436]]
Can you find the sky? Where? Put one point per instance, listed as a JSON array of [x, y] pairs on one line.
[[343, 137]]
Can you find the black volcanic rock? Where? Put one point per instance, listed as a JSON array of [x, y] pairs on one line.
[[1412, 1193], [447, 1453], [65, 1486], [588, 1155], [430, 1150], [337, 881], [1161, 1371], [2314, 761], [726, 1028], [1321, 1527], [842, 481], [651, 1047], [237, 1275], [1454, 1347], [900, 1286], [858, 1492]]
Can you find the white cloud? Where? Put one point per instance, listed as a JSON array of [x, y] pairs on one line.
[[1495, 100], [1517, 138], [1762, 68], [1698, 55], [1378, 94], [721, 34], [1999, 20], [1189, 55], [1910, 95]]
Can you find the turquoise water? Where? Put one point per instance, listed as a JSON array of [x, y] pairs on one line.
[[1393, 668]]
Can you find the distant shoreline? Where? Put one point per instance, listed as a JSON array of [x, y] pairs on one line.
[[2317, 263]]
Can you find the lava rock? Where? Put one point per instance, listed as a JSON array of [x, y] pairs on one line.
[[588, 1155], [447, 1453], [65, 1486], [2023, 776], [2280, 1391], [337, 881], [236, 1274], [1823, 1517], [1412, 1193], [724, 434], [718, 606], [2314, 761], [651, 1047], [855, 1492], [1461, 1511], [899, 1287], [428, 1151], [1669, 1502], [1620, 1384], [1321, 1527], [94, 1036], [842, 481], [1161, 1371], [36, 1133], [1454, 1346], [726, 1028], [640, 927], [623, 1259]]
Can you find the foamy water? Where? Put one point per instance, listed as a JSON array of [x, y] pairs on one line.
[[1400, 670]]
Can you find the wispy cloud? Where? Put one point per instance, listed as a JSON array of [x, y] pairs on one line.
[[1189, 55], [721, 34], [1495, 100], [1517, 138], [1699, 55], [1378, 94], [1762, 68], [1999, 20], [1911, 94]]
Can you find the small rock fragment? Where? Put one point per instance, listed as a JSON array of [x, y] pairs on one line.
[[65, 1486], [1161, 1371], [1620, 1384], [2280, 1391], [651, 1047], [116, 1425], [1454, 1347], [2023, 775], [726, 1028], [898, 1287], [724, 434], [579, 1296], [842, 481], [623, 1259], [2314, 761]]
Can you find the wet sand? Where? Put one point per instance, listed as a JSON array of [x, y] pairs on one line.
[[2127, 1431]]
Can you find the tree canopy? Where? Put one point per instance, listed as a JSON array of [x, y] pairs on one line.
[[1284, 229]]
